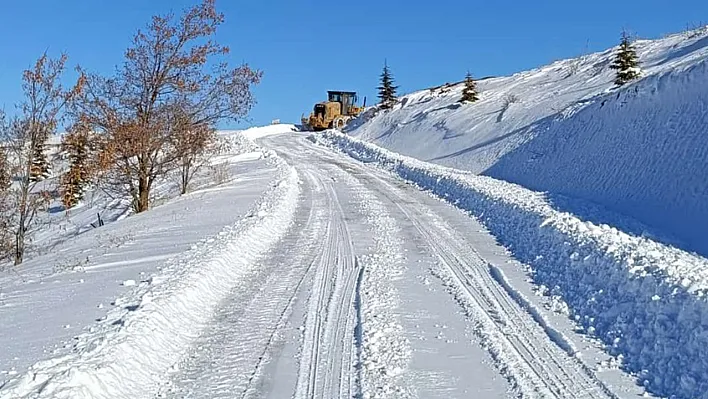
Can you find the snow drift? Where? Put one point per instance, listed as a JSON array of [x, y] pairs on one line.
[[269, 130], [645, 300], [640, 150]]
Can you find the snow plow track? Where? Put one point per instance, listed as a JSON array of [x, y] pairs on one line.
[[234, 349], [535, 364], [316, 260], [326, 366], [324, 346]]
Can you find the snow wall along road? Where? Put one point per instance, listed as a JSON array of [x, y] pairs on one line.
[[642, 152]]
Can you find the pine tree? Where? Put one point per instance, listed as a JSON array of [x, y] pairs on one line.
[[469, 92], [5, 173], [6, 236], [387, 91], [40, 168], [626, 62], [73, 184]]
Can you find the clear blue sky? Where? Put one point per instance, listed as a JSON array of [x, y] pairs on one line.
[[307, 47]]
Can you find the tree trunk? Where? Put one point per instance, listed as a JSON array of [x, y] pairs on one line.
[[143, 200], [23, 214], [143, 194], [185, 177], [19, 246]]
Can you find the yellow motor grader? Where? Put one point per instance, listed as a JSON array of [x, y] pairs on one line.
[[334, 113]]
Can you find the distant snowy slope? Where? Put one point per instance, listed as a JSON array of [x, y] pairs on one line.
[[640, 150]]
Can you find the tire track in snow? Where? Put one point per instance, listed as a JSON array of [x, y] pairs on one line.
[[358, 349], [526, 354], [326, 366], [230, 359], [386, 353]]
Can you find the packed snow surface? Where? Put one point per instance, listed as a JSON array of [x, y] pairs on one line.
[[640, 150], [645, 300], [417, 273], [322, 316]]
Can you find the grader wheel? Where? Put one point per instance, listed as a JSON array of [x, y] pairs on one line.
[[340, 121]]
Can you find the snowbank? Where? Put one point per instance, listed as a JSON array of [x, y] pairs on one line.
[[640, 152], [236, 142], [263, 131], [564, 128], [128, 358], [645, 300]]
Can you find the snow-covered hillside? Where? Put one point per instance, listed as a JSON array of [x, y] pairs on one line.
[[640, 151]]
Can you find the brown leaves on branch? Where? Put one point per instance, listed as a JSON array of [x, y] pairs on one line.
[[153, 119], [157, 113]]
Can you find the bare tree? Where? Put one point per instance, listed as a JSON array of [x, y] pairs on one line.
[[193, 144], [172, 65], [5, 172], [38, 117]]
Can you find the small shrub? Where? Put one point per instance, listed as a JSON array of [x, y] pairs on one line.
[[220, 173], [74, 264], [511, 99], [694, 30]]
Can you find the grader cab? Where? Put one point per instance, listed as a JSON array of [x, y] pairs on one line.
[[334, 113]]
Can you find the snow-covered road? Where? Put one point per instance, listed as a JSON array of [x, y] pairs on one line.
[[380, 290]]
